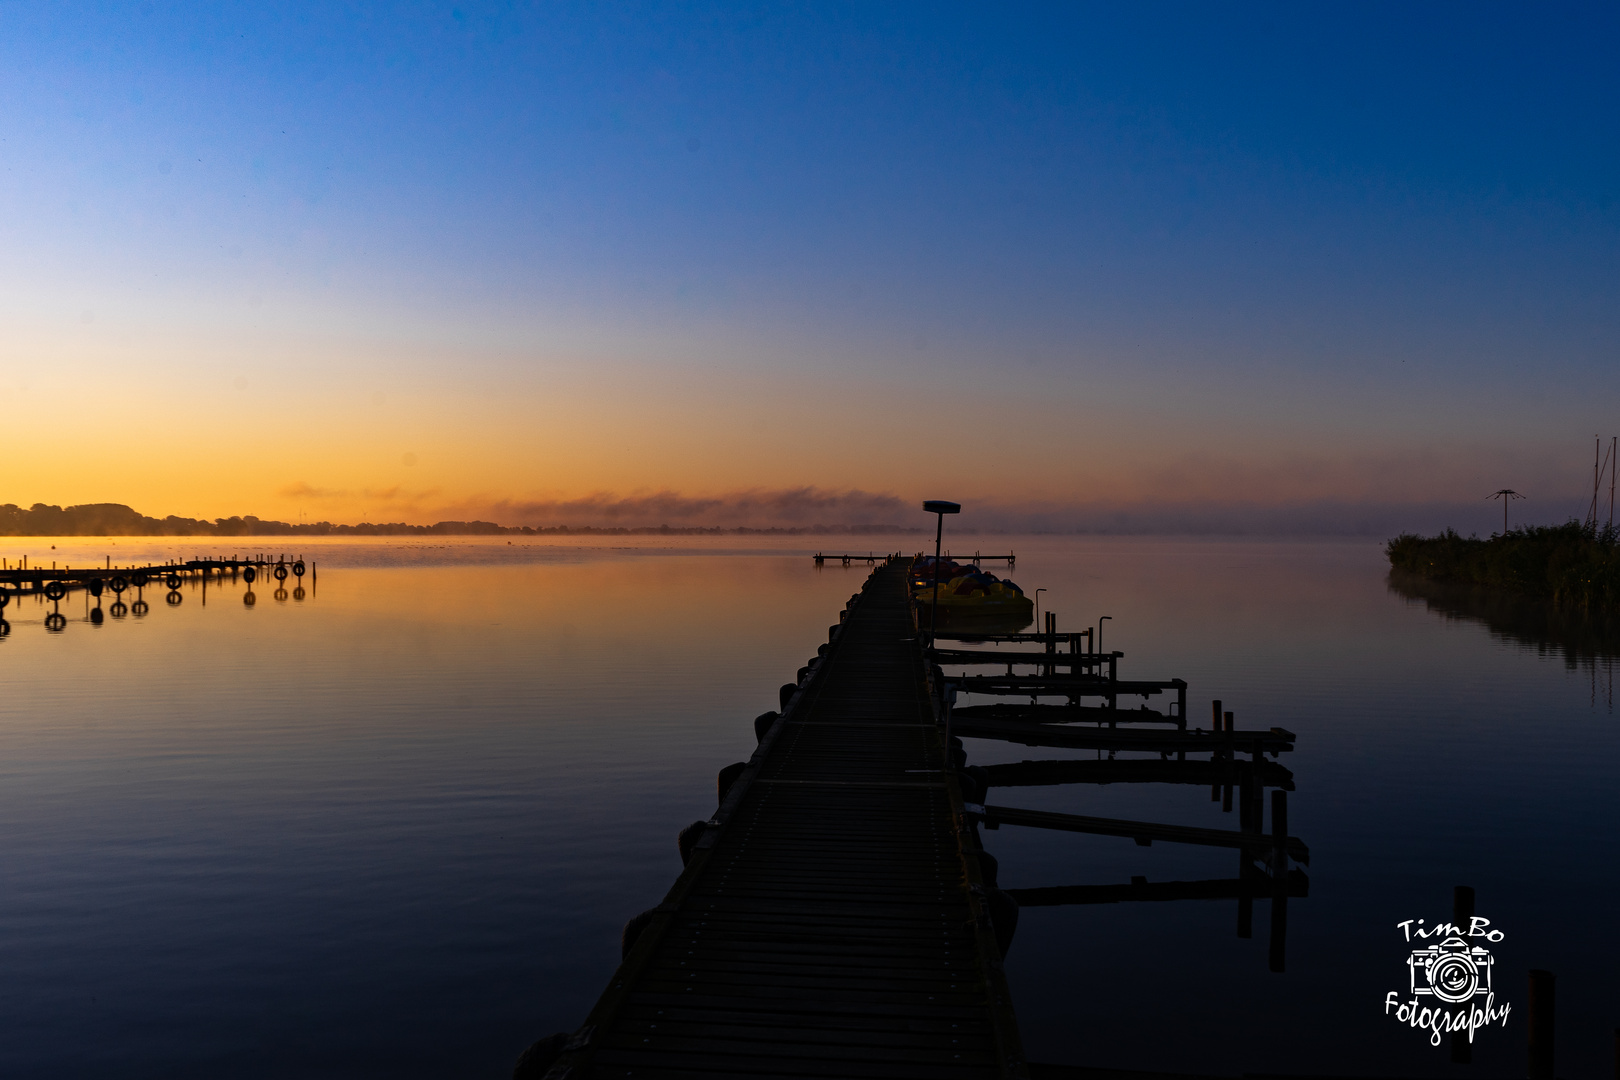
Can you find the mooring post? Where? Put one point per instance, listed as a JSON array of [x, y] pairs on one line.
[[1215, 726], [1251, 811], [1462, 911], [1279, 880], [1226, 793], [1543, 1007]]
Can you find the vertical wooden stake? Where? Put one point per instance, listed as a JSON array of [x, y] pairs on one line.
[[1462, 910], [1543, 1008], [1279, 880], [1226, 794], [1245, 927]]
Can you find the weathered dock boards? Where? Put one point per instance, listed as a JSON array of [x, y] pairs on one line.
[[830, 921]]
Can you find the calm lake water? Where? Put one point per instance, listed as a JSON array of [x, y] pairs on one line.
[[395, 827]]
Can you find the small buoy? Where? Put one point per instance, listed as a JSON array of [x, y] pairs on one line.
[[5, 597], [281, 573], [727, 777], [172, 581], [139, 580], [96, 586], [786, 694], [250, 575], [118, 584], [55, 590], [298, 567]]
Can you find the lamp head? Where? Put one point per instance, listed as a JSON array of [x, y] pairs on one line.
[[939, 506]]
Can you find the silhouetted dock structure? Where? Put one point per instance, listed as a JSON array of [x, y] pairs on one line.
[[54, 584], [870, 559], [832, 919], [31, 579], [838, 915]]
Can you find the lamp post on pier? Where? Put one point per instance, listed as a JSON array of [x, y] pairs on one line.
[[940, 507]]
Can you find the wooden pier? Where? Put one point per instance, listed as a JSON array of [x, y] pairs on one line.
[[838, 915], [870, 559], [54, 585], [37, 579], [833, 919]]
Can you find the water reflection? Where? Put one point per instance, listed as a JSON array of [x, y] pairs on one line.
[[421, 845], [1587, 641]]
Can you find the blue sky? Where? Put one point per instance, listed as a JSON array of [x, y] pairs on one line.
[[1160, 256]]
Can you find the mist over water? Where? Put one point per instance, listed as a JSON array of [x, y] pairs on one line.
[[395, 827]]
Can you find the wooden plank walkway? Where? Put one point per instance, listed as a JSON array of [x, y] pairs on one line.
[[832, 919]]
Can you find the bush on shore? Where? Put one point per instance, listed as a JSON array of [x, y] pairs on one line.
[[1570, 564]]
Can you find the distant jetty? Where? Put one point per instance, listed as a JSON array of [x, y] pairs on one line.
[[1570, 564]]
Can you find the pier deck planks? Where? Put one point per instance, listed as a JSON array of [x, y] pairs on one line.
[[828, 925]]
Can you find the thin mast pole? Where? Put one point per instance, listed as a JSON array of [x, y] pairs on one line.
[[1597, 446]]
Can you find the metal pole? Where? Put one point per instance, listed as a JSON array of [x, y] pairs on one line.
[[933, 611]]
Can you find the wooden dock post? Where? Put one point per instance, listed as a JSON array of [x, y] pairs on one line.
[[1226, 793], [1462, 910], [1215, 725], [1543, 1008], [1279, 881]]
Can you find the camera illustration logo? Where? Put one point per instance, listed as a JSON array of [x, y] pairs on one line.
[[1452, 971], [1449, 982]]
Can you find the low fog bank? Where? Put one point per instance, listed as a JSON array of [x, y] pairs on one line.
[[812, 511]]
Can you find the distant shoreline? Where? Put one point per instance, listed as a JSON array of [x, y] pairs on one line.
[[116, 519]]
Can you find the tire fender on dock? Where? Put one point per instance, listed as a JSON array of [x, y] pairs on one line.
[[762, 724], [687, 839], [727, 777]]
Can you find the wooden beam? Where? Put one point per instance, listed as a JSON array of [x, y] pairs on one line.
[[1143, 832], [1214, 889]]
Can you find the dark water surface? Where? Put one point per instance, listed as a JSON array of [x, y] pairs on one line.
[[395, 828]]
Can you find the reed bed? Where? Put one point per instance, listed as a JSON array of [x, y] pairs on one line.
[[1570, 564]]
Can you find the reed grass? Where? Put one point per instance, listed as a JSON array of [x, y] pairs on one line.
[[1570, 564]]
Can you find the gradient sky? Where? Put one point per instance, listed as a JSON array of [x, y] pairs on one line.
[[1260, 262]]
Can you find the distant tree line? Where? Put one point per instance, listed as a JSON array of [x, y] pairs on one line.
[[1572, 563], [116, 519]]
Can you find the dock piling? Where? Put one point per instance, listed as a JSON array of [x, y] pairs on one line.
[[1540, 1029]]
